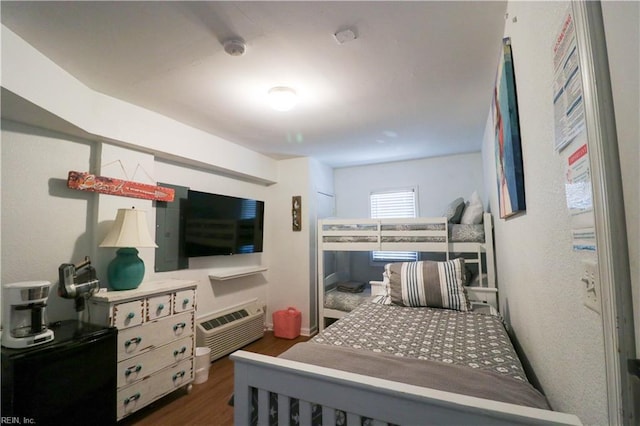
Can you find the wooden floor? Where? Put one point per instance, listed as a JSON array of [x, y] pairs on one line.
[[207, 404]]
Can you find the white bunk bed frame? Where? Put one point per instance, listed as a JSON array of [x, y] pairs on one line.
[[360, 396], [382, 234]]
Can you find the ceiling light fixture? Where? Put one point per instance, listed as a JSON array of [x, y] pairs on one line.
[[282, 98]]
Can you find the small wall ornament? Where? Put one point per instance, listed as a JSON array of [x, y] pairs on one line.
[[296, 213]]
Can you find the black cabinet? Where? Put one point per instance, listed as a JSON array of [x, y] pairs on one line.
[[69, 381]]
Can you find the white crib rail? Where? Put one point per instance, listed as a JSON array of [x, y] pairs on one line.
[[362, 396]]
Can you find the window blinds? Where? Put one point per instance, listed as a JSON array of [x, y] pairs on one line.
[[393, 204]]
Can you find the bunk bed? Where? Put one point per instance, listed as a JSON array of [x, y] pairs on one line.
[[432, 235], [379, 364]]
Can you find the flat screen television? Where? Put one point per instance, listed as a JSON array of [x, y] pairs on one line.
[[222, 225]]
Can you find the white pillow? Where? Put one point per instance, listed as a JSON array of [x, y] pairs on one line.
[[472, 213]]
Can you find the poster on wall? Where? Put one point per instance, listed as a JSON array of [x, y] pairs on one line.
[[568, 100], [508, 150], [571, 139], [578, 181], [583, 239]]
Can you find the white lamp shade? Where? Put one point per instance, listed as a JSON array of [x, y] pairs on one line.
[[129, 230]]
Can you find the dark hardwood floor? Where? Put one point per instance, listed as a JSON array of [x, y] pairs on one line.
[[207, 404]]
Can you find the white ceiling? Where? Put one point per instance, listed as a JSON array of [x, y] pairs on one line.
[[416, 82]]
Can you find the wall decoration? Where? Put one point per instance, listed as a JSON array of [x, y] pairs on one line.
[[568, 94], [85, 181], [508, 151], [296, 213]]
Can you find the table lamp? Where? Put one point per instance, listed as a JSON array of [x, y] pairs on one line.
[[129, 231]]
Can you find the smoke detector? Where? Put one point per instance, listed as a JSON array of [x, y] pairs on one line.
[[345, 36], [234, 47]]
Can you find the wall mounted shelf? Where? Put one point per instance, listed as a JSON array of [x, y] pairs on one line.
[[223, 274]]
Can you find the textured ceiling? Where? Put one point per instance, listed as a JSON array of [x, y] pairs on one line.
[[416, 82]]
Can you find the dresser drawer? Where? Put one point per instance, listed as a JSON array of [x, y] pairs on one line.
[[139, 394], [143, 365], [158, 307], [128, 314], [184, 300], [136, 340]]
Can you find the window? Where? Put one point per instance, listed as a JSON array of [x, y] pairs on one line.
[[398, 203]]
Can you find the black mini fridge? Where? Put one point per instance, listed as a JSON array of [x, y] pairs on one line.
[[69, 381]]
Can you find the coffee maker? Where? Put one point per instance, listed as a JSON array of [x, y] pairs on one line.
[[23, 314]]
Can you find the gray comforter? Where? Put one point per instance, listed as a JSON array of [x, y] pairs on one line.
[[420, 372]]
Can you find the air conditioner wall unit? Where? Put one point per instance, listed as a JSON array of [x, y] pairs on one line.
[[228, 330]]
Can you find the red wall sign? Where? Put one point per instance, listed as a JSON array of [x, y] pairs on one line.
[[85, 181]]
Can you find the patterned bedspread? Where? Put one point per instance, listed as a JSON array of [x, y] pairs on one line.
[[454, 340], [463, 338]]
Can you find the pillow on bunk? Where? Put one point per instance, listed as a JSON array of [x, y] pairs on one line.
[[473, 211], [453, 212], [428, 283]]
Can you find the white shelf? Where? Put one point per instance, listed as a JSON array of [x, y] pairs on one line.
[[223, 274]]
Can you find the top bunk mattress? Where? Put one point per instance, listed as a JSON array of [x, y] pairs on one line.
[[472, 233]]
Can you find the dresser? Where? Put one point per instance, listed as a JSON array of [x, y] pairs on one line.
[[156, 339]]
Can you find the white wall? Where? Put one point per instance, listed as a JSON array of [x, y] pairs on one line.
[[44, 223], [439, 180], [538, 273], [321, 201], [289, 277]]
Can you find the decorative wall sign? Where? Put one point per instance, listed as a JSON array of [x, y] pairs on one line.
[[85, 181], [296, 213], [510, 172]]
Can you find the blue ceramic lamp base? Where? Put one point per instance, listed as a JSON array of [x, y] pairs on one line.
[[126, 270]]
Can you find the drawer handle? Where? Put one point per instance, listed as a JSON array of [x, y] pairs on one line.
[[135, 340], [185, 301], [132, 398], [181, 351], [160, 307], [179, 325], [133, 369], [178, 375], [130, 315]]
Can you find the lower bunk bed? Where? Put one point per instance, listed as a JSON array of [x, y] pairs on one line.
[[340, 298], [392, 361]]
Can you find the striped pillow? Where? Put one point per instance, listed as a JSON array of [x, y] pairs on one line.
[[428, 283]]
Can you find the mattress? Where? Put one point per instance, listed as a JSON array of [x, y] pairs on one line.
[[463, 352], [343, 301], [466, 233], [472, 233], [468, 339]]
